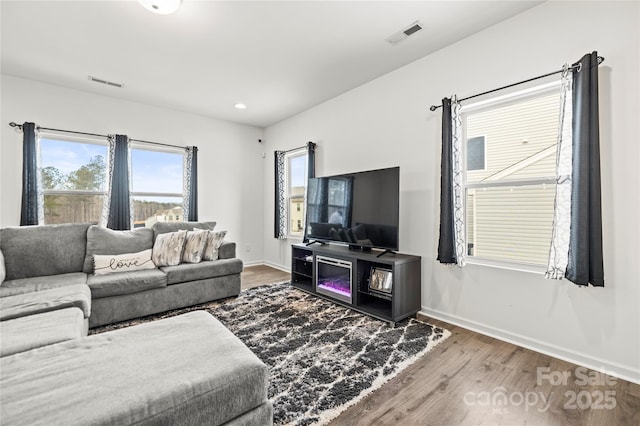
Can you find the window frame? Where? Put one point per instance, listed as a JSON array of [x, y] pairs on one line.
[[136, 145], [485, 105], [302, 152], [72, 138]]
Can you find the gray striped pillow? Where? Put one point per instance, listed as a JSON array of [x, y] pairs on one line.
[[167, 250]]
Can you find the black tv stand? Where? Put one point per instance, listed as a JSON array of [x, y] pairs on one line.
[[322, 243], [403, 301], [385, 252]]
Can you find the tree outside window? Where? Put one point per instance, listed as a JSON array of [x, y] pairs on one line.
[[73, 179]]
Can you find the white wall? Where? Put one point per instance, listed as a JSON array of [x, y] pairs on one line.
[[229, 155], [387, 122]]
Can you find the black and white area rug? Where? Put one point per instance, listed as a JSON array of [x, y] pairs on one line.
[[322, 357]]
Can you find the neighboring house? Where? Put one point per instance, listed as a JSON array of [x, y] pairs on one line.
[[296, 210], [506, 144], [174, 214]]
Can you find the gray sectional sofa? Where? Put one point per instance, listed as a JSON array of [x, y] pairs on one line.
[[53, 256], [188, 369]]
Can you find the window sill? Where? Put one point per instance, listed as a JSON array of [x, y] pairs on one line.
[[520, 267]]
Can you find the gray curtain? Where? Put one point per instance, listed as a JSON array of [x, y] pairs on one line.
[[280, 213], [446, 242], [29, 211], [191, 182], [311, 160], [311, 173], [120, 195], [585, 265]]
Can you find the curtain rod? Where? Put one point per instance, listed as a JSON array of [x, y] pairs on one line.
[[299, 148], [435, 107], [19, 126]]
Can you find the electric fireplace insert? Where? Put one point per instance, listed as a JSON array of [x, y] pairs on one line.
[[334, 278]]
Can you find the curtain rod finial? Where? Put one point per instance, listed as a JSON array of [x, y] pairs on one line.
[[433, 108]]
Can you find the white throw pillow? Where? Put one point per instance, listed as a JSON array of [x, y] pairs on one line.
[[194, 246], [214, 241], [110, 263], [167, 250]]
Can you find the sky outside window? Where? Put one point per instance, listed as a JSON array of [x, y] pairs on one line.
[[156, 171], [69, 156], [298, 166]]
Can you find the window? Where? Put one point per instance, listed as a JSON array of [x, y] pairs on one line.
[[510, 176], [296, 175], [73, 178], [476, 153], [156, 185]]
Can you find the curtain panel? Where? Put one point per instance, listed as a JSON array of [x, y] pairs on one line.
[[32, 208], [120, 214], [280, 213], [311, 173], [191, 183], [559, 250], [452, 240], [585, 263]]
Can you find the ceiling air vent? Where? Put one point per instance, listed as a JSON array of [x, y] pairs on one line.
[[404, 34], [103, 81]]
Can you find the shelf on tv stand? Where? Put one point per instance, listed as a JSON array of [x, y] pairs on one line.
[[404, 299]]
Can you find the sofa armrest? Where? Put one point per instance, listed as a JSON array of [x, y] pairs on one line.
[[227, 250]]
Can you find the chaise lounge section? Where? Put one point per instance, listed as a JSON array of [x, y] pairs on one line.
[[184, 370]]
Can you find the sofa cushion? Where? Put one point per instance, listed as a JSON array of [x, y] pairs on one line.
[[188, 369], [127, 262], [46, 328], [214, 241], [34, 251], [164, 227], [28, 285], [194, 246], [107, 241], [168, 247], [199, 271], [125, 282], [36, 302]]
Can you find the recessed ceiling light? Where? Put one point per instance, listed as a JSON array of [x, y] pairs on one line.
[[162, 7], [240, 105]]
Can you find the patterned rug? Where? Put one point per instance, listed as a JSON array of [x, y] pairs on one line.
[[322, 357]]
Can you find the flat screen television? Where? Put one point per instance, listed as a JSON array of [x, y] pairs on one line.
[[359, 209]]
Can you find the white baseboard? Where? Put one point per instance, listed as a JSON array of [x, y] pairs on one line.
[[623, 372], [270, 264], [276, 266]]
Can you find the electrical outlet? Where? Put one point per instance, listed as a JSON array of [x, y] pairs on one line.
[[247, 248]]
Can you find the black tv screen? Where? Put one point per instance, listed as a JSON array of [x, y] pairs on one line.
[[359, 209]]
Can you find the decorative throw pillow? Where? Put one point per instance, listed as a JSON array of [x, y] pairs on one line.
[[214, 241], [194, 245], [103, 241], [110, 263], [167, 250]]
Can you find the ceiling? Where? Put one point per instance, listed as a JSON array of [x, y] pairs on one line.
[[279, 58]]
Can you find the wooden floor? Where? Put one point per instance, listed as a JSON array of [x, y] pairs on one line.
[[472, 379]]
